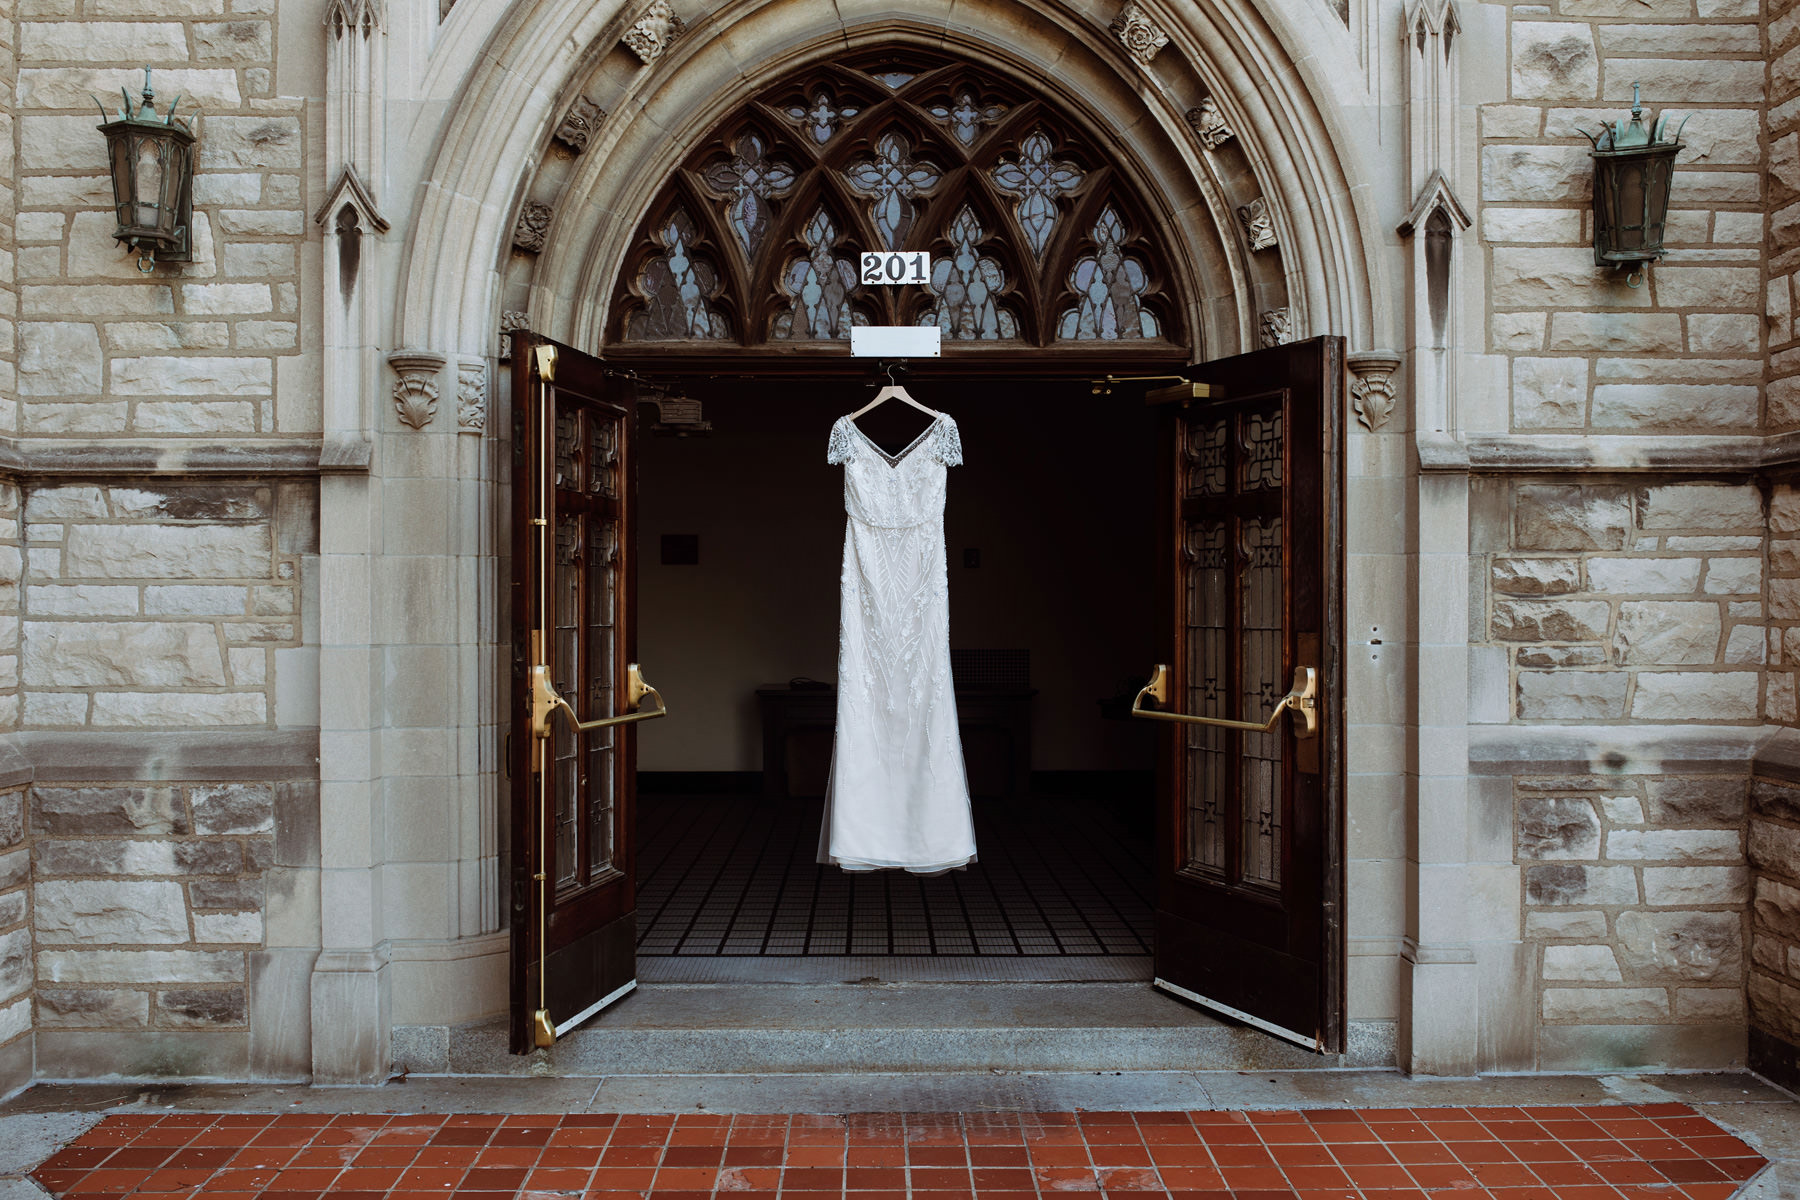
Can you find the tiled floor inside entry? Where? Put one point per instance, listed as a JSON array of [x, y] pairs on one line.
[[1609, 1152], [736, 876]]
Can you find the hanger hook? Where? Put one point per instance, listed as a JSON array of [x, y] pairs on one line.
[[890, 374]]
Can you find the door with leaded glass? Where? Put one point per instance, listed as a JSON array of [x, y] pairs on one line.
[[576, 691], [1249, 862]]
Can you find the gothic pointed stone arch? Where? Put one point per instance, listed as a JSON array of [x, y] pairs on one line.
[[1269, 69]]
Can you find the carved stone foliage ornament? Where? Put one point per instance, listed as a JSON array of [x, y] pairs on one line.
[[1208, 123], [534, 223], [1258, 226], [654, 31], [1139, 34], [579, 124], [416, 391], [510, 320], [1372, 386], [471, 395], [1277, 328]]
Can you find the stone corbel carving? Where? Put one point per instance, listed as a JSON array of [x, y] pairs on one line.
[[1208, 123], [510, 320], [654, 31], [1258, 226], [579, 123], [533, 224], [1141, 36], [471, 394], [1277, 327], [1372, 386], [416, 391]]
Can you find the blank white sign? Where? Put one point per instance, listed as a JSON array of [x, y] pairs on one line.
[[896, 341]]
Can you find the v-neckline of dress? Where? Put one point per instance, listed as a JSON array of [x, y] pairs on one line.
[[894, 460]]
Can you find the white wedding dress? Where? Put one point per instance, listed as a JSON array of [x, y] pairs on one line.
[[898, 794]]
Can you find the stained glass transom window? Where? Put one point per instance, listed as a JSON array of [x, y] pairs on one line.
[[1034, 234]]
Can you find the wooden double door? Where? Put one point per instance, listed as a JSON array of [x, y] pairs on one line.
[[1249, 864]]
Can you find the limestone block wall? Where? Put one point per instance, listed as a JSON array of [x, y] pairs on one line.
[[17, 965], [155, 907], [203, 350], [165, 606], [1783, 245], [1684, 352], [1784, 601], [1612, 601], [1634, 913], [1774, 983]]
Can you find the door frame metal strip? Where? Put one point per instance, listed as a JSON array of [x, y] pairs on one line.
[[1311, 1043], [595, 1007]]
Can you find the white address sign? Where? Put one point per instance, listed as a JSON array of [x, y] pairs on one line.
[[892, 268]]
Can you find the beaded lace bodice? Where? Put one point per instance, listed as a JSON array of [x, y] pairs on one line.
[[898, 795]]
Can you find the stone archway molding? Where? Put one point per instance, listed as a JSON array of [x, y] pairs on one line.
[[1277, 73]]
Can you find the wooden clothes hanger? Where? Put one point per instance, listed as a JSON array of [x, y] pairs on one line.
[[893, 391]]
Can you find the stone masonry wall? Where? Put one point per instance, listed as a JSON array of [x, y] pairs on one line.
[[1783, 247], [1774, 984], [1616, 602], [206, 349], [1634, 909], [17, 969], [149, 914], [160, 606], [1784, 602], [1684, 352]]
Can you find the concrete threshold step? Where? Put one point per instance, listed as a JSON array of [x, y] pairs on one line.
[[767, 1029]]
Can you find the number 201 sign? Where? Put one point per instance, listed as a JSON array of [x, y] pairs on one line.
[[895, 268]]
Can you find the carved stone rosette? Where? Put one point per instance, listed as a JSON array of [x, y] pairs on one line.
[[1208, 123], [579, 123], [1372, 388], [471, 395], [416, 391], [510, 320], [1138, 33], [533, 224], [1258, 226], [1277, 327], [654, 31]]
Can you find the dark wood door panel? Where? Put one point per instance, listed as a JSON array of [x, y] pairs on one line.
[[573, 853], [1249, 864]]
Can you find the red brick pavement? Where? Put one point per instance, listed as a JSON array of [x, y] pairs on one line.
[[1661, 1151]]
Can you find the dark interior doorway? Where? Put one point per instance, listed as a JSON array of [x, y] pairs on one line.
[[1051, 553]]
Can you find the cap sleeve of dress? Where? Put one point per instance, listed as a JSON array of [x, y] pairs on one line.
[[949, 443], [841, 449]]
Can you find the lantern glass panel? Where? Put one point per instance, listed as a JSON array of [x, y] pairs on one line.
[[152, 178]]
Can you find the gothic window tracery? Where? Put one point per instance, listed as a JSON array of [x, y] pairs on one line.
[[1034, 236]]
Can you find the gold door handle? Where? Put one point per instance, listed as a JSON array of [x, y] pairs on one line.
[[1302, 698], [545, 700]]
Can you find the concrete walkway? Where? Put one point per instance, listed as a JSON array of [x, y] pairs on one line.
[[39, 1122]]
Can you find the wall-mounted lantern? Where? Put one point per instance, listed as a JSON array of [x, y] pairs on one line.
[[152, 161], [1633, 167]]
